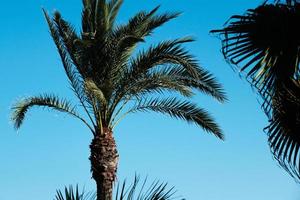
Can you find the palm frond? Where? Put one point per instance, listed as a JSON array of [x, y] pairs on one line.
[[75, 78], [136, 190], [46, 101], [264, 43], [126, 37], [205, 83], [71, 72], [183, 110], [158, 82], [114, 7], [283, 131], [167, 52], [143, 24], [69, 37], [172, 55], [73, 194]]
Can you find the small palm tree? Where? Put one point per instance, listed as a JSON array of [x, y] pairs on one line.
[[135, 191], [264, 43], [111, 82]]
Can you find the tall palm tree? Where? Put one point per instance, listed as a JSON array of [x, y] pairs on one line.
[[111, 81], [264, 44]]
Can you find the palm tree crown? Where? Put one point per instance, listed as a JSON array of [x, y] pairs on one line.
[[105, 76]]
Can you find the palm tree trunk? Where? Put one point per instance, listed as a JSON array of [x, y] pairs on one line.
[[104, 162]]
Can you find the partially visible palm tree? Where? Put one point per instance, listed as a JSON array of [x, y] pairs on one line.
[[70, 193], [264, 44], [110, 81], [135, 191]]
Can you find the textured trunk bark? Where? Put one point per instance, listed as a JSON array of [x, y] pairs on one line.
[[104, 162]]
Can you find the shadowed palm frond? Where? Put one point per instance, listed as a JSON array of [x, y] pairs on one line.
[[264, 43], [184, 110], [46, 101], [283, 131]]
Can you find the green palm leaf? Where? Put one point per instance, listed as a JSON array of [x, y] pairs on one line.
[[184, 110], [46, 101]]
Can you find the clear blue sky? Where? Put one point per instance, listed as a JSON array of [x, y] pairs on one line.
[[51, 149]]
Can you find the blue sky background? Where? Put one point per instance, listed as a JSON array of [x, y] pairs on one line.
[[51, 149]]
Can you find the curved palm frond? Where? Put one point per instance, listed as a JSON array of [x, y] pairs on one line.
[[64, 46], [182, 66], [166, 52], [205, 83], [48, 101], [184, 110], [142, 24], [64, 36], [283, 131], [264, 43]]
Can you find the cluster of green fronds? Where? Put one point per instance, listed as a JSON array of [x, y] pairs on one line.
[[110, 79]]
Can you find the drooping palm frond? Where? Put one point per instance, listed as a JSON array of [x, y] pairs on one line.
[[184, 110], [171, 53], [283, 131], [46, 101], [264, 43], [167, 61]]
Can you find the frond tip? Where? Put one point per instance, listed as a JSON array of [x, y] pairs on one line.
[[47, 101]]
